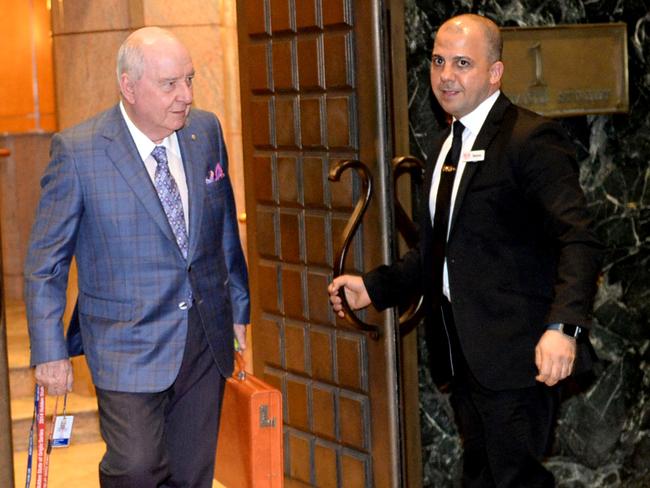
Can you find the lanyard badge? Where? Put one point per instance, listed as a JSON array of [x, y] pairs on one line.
[[62, 427]]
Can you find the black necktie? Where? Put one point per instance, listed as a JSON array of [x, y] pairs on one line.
[[441, 216]]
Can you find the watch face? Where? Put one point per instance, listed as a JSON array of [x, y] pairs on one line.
[[572, 330]]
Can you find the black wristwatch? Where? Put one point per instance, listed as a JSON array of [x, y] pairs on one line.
[[574, 331]]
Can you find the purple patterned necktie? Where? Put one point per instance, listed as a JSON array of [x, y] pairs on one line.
[[170, 198]]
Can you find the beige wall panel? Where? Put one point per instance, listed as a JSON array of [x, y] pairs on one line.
[[187, 12], [85, 74], [230, 65], [73, 16], [228, 9]]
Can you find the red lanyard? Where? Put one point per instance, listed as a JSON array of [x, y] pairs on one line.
[[41, 477], [43, 449]]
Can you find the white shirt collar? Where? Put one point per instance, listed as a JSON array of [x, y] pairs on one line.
[[142, 142], [476, 118]]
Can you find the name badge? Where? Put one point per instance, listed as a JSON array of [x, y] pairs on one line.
[[62, 430], [473, 156]]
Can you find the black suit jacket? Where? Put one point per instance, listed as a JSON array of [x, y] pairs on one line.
[[520, 252]]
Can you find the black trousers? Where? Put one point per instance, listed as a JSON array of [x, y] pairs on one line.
[[505, 433], [169, 438]]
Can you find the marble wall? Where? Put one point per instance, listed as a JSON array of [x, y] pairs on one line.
[[603, 435]]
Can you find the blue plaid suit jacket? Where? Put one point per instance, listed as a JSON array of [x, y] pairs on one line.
[[99, 205]]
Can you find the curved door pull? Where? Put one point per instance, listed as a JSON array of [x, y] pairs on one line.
[[350, 228], [412, 316]]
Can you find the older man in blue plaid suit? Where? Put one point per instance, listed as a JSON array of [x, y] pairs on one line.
[[140, 195]]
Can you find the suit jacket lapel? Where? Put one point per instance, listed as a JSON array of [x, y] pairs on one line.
[[195, 175], [488, 131], [123, 153]]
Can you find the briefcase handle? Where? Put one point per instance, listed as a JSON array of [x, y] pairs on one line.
[[240, 366]]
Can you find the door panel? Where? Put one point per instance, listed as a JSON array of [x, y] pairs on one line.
[[313, 93]]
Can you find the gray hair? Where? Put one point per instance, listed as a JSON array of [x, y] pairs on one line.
[[130, 59], [130, 56]]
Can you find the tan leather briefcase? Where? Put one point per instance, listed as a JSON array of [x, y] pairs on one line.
[[249, 451]]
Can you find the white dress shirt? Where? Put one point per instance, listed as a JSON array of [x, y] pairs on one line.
[[174, 159], [473, 122]]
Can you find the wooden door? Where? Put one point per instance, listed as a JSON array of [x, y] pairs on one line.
[[315, 92]]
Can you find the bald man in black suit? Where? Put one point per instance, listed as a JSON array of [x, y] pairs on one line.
[[507, 262]]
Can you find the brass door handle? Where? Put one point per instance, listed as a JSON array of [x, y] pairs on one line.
[[412, 316], [350, 229]]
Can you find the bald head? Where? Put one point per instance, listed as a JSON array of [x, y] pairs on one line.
[[465, 64], [155, 74], [490, 31], [131, 55]]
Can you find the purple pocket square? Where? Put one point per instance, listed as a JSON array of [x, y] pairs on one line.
[[215, 175]]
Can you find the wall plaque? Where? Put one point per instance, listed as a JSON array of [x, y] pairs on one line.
[[568, 69]]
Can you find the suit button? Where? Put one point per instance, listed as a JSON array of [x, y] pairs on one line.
[[183, 306]]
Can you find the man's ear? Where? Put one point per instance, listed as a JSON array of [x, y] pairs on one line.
[[496, 72], [127, 87]]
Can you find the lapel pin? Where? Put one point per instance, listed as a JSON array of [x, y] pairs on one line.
[[193, 137]]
